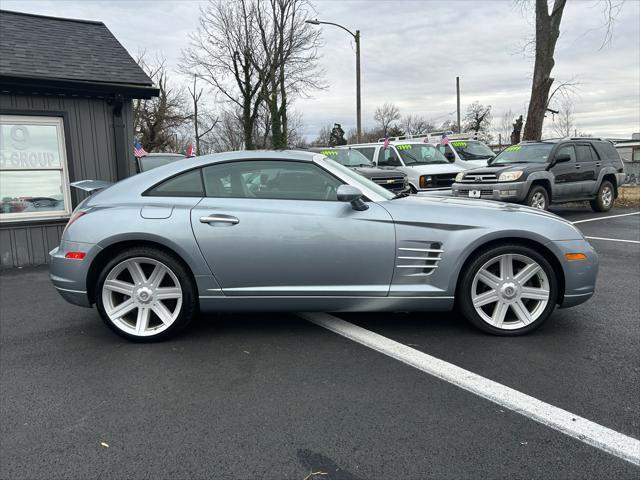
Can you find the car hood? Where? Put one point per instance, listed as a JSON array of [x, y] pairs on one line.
[[437, 168], [458, 213], [371, 172], [497, 169]]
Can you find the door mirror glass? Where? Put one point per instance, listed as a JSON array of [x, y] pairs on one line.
[[349, 193], [449, 156]]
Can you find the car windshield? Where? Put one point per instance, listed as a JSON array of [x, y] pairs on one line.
[[470, 149], [358, 180], [527, 153], [347, 157], [420, 154]]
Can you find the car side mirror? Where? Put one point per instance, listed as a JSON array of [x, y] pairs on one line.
[[449, 156], [562, 158], [349, 193]]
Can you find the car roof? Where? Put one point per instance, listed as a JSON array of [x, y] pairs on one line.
[[160, 154]]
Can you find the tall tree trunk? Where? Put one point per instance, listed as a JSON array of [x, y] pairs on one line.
[[547, 32], [276, 126], [283, 110]]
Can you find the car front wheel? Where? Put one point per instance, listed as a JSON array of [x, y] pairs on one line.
[[508, 290], [145, 294], [538, 198]]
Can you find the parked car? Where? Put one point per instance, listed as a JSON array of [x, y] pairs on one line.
[[154, 160], [311, 235], [426, 167], [550, 171], [463, 149], [387, 177]]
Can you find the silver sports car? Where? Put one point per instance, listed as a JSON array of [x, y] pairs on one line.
[[297, 231]]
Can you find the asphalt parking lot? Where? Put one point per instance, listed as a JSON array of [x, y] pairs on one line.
[[276, 396]]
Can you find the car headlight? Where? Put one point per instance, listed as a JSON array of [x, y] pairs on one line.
[[425, 181], [459, 177], [510, 176]]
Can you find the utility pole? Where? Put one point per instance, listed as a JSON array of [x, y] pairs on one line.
[[358, 102], [458, 102]]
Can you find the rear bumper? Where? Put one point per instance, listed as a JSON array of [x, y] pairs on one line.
[[503, 192], [69, 276]]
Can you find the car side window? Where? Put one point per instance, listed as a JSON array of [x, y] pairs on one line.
[[567, 150], [270, 179], [188, 184], [367, 152], [388, 157], [585, 153]]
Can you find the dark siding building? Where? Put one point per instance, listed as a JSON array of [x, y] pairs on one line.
[[66, 90]]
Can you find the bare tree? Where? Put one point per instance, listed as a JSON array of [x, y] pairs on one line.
[[415, 124], [385, 115], [563, 124], [324, 136], [478, 119], [157, 120], [203, 122], [229, 134], [449, 126], [290, 53], [225, 52], [547, 33], [506, 127]]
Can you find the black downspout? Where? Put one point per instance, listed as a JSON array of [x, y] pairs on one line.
[[120, 135]]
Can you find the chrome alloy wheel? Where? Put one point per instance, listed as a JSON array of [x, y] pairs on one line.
[[606, 196], [142, 296], [538, 201], [510, 291]]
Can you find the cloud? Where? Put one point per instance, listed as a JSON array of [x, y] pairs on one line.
[[413, 50]]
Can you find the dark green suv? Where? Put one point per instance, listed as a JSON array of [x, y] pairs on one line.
[[548, 171]]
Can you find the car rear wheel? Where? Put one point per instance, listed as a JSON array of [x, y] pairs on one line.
[[538, 198], [605, 198], [508, 290], [145, 294]]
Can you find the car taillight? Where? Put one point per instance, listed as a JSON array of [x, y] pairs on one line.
[[74, 217], [75, 255]]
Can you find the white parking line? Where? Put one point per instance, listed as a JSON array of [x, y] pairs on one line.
[[605, 218], [613, 239], [589, 432]]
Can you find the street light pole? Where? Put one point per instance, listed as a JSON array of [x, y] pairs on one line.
[[356, 37]]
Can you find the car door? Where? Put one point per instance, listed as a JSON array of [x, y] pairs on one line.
[[566, 174], [275, 228], [589, 164]]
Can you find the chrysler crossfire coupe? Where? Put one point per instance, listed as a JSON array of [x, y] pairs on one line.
[[297, 231]]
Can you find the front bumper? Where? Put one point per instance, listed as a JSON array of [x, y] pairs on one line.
[[579, 276], [503, 192], [69, 276]]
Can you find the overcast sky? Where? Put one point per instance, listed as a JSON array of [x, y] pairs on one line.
[[413, 50]]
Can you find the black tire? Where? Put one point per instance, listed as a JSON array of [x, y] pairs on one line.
[[605, 198], [464, 291], [188, 308], [538, 194]]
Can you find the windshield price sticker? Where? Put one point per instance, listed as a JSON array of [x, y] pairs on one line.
[[513, 148], [459, 144], [404, 147], [328, 152]]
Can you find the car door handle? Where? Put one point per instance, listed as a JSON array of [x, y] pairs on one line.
[[597, 164], [578, 167], [219, 219]]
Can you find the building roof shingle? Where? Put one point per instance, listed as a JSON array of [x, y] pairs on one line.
[[41, 47]]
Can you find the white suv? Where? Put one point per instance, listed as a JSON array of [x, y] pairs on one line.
[[426, 167]]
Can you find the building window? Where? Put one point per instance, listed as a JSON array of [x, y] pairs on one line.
[[636, 154], [34, 181]]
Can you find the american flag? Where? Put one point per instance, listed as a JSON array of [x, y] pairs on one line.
[[444, 140], [190, 151], [386, 143], [138, 151]]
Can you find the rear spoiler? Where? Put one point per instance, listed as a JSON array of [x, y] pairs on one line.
[[91, 185]]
